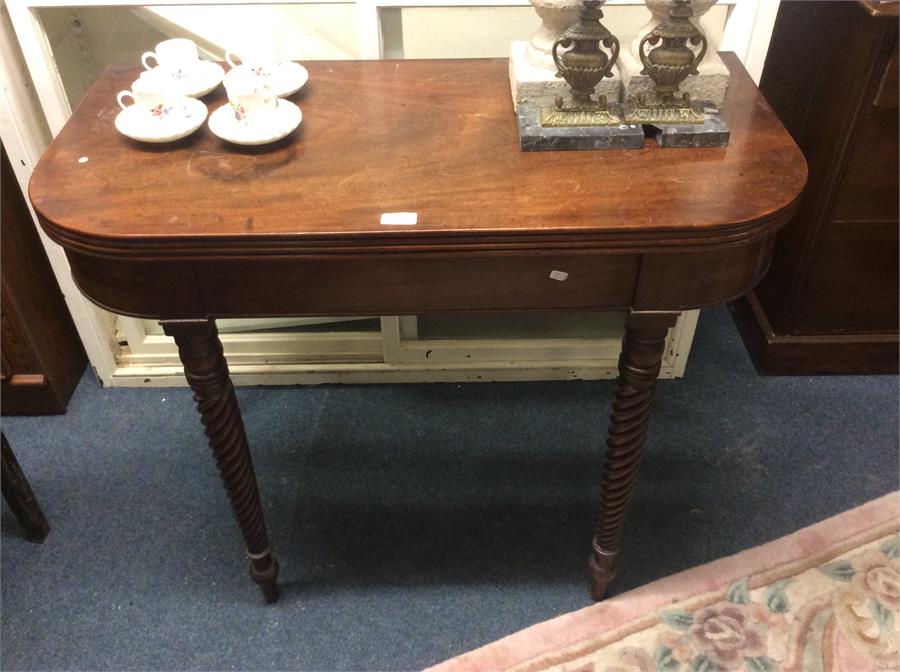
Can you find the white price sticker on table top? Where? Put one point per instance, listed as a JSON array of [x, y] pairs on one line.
[[399, 218]]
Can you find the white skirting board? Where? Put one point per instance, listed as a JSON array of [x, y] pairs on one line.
[[405, 351]]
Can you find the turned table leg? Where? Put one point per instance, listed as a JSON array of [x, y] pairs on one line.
[[639, 364], [207, 373], [18, 494]]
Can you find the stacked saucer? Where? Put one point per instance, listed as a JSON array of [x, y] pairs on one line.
[[164, 104], [194, 81], [171, 119], [256, 112]]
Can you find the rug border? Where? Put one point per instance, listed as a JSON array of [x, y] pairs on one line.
[[635, 610]]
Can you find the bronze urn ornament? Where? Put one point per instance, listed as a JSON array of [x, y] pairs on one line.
[[668, 63], [583, 65]]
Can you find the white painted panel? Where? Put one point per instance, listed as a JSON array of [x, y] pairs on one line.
[[269, 348], [42, 67], [478, 356], [303, 32], [465, 32], [320, 374], [86, 40], [748, 32], [368, 27], [25, 135]]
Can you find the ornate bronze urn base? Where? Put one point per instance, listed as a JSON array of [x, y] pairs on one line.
[[583, 66], [668, 64]]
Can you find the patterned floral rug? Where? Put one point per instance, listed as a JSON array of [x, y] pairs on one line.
[[824, 599]]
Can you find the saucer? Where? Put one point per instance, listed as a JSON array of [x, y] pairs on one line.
[[285, 118], [289, 77], [178, 121], [284, 79], [202, 78]]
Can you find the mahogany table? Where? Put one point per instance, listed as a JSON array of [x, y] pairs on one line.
[[198, 230]]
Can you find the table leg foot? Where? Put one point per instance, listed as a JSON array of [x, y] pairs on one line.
[[602, 566], [207, 373], [639, 365], [264, 571]]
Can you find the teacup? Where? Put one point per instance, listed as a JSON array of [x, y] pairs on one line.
[[177, 56], [149, 95], [260, 58], [252, 100], [243, 76]]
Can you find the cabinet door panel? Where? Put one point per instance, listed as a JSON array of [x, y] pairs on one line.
[[853, 284], [871, 184]]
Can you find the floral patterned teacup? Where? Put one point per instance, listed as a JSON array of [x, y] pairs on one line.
[[259, 58], [149, 95], [245, 76], [178, 57], [253, 102]]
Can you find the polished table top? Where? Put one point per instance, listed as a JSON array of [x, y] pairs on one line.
[[434, 137]]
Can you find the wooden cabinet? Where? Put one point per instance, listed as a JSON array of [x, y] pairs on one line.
[[829, 302], [42, 355]]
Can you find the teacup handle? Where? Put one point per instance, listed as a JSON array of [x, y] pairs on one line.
[[229, 58], [147, 55], [123, 94]]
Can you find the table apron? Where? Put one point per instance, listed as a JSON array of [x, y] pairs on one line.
[[419, 284]]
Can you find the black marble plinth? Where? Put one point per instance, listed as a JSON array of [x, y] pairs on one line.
[[713, 132], [535, 137]]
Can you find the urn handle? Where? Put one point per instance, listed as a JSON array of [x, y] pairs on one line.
[[564, 42], [611, 43], [700, 39], [652, 40]]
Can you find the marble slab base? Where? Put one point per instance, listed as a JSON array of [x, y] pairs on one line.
[[530, 83], [713, 132], [533, 137], [711, 84]]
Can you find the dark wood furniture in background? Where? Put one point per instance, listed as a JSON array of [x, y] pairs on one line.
[[42, 354], [200, 230], [18, 494], [829, 302]]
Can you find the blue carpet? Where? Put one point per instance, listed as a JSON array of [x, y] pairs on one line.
[[412, 522]]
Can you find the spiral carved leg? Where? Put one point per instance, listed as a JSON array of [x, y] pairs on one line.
[[207, 373], [639, 364]]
